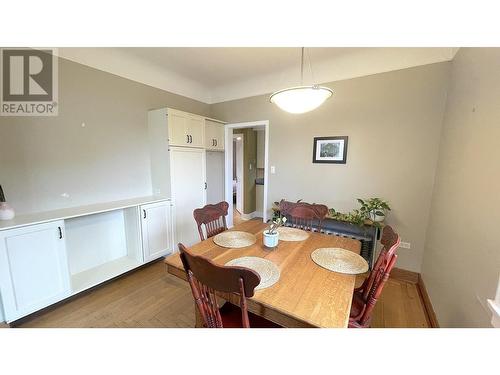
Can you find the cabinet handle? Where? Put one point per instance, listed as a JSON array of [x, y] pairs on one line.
[[216, 143], [187, 136], [144, 213], [205, 186], [60, 233], [191, 138]]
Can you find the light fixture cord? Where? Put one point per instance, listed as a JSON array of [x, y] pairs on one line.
[[302, 67], [310, 68]]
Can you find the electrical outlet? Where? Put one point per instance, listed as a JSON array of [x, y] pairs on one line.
[[273, 169], [405, 245]]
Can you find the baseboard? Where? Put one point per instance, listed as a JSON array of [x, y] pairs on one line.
[[416, 278], [405, 275], [249, 216], [4, 325], [427, 303]]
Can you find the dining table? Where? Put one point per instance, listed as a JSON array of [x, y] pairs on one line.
[[306, 295]]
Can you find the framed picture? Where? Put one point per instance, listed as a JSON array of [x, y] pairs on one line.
[[330, 150]]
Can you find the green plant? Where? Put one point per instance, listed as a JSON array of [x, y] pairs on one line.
[[376, 206], [276, 223], [354, 217]]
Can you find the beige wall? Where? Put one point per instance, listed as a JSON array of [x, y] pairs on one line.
[[462, 256], [249, 175], [108, 159], [393, 121]]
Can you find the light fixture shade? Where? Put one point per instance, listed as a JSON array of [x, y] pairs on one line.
[[301, 99]]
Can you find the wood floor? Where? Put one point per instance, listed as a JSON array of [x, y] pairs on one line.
[[149, 297]]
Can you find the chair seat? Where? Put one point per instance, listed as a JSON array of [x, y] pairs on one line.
[[231, 318], [357, 304]]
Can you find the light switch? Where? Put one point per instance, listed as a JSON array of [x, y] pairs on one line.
[[273, 169]]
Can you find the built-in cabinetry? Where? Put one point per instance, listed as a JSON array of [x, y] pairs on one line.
[[186, 129], [214, 135], [184, 165], [49, 256]]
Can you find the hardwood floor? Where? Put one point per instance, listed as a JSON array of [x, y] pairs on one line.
[[149, 297]]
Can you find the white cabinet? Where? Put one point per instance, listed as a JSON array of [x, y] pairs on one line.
[[188, 179], [157, 230], [185, 129], [214, 135], [33, 268]]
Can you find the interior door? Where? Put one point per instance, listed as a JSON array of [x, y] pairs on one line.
[[156, 230], [188, 177], [34, 269], [239, 172]]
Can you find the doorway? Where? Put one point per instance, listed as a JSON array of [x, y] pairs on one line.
[[247, 183], [238, 154]]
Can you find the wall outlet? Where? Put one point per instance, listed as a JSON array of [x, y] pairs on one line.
[[405, 245], [273, 169]]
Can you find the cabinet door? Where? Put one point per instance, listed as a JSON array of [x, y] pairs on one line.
[[210, 135], [196, 131], [219, 138], [34, 269], [156, 223], [187, 171], [178, 124]]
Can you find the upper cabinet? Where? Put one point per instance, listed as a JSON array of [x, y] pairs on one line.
[[185, 129], [214, 135]]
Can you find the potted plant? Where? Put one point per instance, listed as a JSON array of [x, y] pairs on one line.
[[271, 235], [6, 211], [374, 209]]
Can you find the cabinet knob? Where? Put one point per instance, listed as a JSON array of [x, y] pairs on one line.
[[144, 211], [60, 233]]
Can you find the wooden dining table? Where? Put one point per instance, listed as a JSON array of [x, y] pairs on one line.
[[306, 295]]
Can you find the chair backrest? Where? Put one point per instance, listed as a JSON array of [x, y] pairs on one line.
[[206, 278], [213, 216], [304, 215], [380, 272]]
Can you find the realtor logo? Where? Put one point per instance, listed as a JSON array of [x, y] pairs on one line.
[[28, 82]]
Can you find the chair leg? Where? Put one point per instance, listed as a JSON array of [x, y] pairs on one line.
[[198, 319]]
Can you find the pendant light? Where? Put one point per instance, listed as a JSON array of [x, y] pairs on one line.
[[301, 99]]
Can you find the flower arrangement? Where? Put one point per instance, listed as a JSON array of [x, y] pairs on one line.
[[275, 224]]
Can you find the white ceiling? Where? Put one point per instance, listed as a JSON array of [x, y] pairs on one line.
[[213, 75]]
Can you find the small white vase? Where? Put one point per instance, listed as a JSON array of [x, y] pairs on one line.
[[375, 217], [270, 240], [6, 211]]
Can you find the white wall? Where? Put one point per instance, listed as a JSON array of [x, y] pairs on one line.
[[393, 121], [462, 253], [108, 159]]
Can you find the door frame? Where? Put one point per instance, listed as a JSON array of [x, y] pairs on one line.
[[228, 140], [239, 186]]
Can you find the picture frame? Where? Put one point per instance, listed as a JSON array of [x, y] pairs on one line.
[[330, 150]]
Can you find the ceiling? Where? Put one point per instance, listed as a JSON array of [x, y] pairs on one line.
[[219, 74]]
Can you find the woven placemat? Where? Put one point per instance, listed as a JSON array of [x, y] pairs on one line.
[[235, 239], [339, 260], [292, 234], [268, 271]]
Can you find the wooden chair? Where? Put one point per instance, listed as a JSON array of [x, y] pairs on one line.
[[213, 216], [206, 279], [304, 215], [366, 296]]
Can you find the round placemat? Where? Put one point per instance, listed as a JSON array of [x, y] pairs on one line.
[[339, 260], [292, 234], [268, 271], [235, 239]]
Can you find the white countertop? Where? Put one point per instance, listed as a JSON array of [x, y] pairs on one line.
[[71, 212]]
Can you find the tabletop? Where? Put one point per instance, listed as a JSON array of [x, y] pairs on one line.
[[306, 294]]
